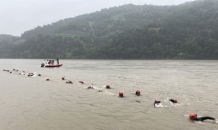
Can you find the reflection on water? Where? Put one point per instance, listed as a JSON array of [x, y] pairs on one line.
[[34, 103]]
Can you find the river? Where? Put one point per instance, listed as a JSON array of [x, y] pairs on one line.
[[32, 103]]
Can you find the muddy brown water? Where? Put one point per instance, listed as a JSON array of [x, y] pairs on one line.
[[31, 103]]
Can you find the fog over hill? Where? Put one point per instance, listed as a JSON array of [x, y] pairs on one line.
[[18, 16], [185, 31]]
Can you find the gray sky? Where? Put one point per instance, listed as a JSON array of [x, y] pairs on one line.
[[17, 16]]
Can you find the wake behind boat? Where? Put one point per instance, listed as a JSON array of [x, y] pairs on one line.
[[50, 63]]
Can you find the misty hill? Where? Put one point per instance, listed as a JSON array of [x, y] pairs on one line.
[[105, 22], [7, 38], [186, 31], [189, 33]]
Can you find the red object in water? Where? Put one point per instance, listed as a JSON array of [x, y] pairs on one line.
[[89, 87], [47, 79], [157, 101], [17, 70], [107, 86], [81, 82], [8, 70], [24, 71], [138, 92], [193, 116], [174, 100], [62, 78], [28, 75], [3, 69], [70, 81], [13, 69], [121, 94], [39, 74]]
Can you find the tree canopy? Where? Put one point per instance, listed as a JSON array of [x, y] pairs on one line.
[[186, 31]]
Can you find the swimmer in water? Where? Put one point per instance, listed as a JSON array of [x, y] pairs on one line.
[[194, 117], [157, 102], [90, 87], [173, 100]]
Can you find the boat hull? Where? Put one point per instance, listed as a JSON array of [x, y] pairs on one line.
[[56, 65]]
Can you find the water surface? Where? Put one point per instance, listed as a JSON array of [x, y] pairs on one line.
[[31, 103]]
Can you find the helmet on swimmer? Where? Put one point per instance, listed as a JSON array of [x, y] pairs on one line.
[[193, 116], [157, 101], [174, 100]]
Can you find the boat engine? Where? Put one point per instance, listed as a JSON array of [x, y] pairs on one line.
[[42, 65]]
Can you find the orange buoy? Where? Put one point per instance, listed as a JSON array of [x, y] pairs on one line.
[[107, 86], [137, 92], [121, 94], [193, 116], [47, 79]]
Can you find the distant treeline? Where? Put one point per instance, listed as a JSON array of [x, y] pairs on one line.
[[186, 31]]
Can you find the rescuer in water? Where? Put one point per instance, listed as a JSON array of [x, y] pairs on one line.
[[173, 100], [194, 117], [157, 102]]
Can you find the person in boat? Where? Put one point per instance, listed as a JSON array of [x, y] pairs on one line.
[[194, 117], [57, 61], [173, 100]]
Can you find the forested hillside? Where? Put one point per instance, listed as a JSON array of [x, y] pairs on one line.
[[186, 31]]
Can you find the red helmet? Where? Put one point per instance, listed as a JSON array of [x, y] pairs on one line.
[[81, 82], [193, 116], [174, 100], [121, 94], [137, 92], [107, 86]]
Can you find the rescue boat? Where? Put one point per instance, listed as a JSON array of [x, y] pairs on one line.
[[51, 63]]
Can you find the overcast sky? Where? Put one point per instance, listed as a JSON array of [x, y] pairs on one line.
[[17, 16]]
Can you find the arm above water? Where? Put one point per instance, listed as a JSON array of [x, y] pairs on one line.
[[205, 118]]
